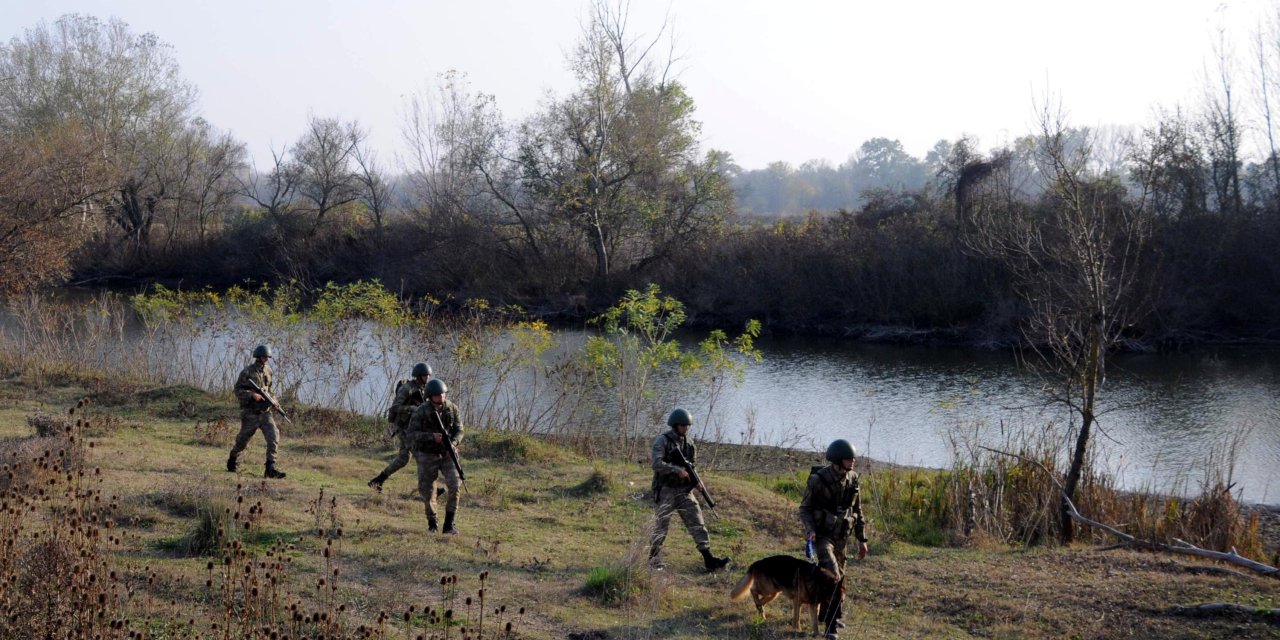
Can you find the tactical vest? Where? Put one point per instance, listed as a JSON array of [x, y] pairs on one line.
[[833, 517]]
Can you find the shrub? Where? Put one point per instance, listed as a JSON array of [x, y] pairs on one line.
[[613, 585]]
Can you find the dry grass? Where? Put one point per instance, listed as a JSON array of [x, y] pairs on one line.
[[319, 553]]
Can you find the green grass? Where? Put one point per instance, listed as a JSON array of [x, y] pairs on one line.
[[557, 534]]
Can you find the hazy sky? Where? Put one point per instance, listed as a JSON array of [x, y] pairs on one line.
[[773, 80]]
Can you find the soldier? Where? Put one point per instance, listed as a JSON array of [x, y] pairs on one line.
[[830, 511], [255, 411], [431, 450], [672, 487], [408, 396]]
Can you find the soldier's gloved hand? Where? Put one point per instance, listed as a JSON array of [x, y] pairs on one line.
[[257, 397], [684, 475], [439, 437]]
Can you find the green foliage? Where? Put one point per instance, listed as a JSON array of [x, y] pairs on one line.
[[792, 486], [913, 505], [612, 585], [368, 300], [637, 345]]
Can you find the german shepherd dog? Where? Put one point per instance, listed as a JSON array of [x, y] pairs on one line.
[[805, 583]]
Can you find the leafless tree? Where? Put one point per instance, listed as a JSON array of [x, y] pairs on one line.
[[323, 157], [374, 192], [1222, 130], [274, 191], [1073, 253]]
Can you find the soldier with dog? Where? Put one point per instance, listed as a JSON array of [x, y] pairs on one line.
[[830, 511]]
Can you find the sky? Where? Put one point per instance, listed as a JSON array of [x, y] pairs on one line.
[[772, 80]]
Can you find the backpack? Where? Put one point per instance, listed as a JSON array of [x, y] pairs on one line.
[[394, 409]]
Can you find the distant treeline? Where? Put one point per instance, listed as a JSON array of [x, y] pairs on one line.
[[108, 178]]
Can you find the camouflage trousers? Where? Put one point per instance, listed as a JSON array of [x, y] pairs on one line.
[[250, 422], [670, 501], [431, 466], [832, 554], [402, 457]]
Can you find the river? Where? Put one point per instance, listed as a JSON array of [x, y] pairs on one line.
[[1165, 415]]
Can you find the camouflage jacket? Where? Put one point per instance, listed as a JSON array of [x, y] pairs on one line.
[[667, 466], [426, 420], [409, 395], [260, 375], [833, 505]]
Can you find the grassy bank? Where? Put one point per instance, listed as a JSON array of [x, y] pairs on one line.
[[121, 509]]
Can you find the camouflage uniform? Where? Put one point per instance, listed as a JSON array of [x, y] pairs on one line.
[[433, 458], [255, 414], [408, 397], [832, 509], [671, 494]]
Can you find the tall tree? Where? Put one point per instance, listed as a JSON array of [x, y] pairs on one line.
[[324, 161], [1073, 252], [123, 89], [617, 161]]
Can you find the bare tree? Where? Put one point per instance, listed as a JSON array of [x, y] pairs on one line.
[[1073, 253], [374, 192], [275, 191], [1222, 131], [323, 158], [461, 164]]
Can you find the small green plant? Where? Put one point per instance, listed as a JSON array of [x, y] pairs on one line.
[[612, 585]]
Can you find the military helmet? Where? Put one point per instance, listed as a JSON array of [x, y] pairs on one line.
[[421, 369], [262, 351], [436, 387], [840, 450], [679, 416]]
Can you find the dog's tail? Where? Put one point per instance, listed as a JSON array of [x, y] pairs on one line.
[[744, 585]]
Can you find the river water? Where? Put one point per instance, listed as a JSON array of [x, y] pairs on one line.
[[1166, 416]]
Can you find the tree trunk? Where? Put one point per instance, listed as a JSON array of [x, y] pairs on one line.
[[1089, 395]]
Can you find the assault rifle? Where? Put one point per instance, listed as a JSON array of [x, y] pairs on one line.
[[275, 404], [453, 451], [693, 475]]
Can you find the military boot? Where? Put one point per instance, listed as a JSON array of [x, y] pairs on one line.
[[272, 472], [432, 526], [448, 523], [711, 562], [832, 622], [654, 560], [232, 463], [376, 482]]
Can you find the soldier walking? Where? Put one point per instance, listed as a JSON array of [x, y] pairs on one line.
[[672, 489], [830, 511], [255, 411], [408, 396], [427, 428]]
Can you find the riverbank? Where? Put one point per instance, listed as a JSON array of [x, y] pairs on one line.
[[557, 535]]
